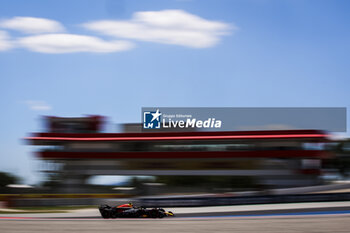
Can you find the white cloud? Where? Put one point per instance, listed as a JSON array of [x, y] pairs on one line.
[[70, 43], [32, 25], [38, 105], [5, 43], [167, 26]]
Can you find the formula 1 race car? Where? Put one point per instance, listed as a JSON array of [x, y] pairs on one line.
[[129, 211]]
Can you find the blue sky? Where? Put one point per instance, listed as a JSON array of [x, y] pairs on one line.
[[113, 57]]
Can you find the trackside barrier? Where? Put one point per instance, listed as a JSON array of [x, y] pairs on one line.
[[218, 201], [22, 200], [35, 200], [4, 197]]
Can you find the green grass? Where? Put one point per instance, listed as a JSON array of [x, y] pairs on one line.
[[46, 209], [33, 212]]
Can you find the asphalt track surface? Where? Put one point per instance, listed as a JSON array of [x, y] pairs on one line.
[[325, 219]]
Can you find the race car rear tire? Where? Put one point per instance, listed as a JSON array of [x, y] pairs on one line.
[[105, 214]]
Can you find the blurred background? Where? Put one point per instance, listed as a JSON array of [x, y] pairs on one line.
[[82, 165], [75, 74]]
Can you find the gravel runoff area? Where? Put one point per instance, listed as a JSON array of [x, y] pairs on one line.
[[319, 224], [88, 220]]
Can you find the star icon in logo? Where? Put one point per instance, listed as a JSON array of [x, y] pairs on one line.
[[156, 115]]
